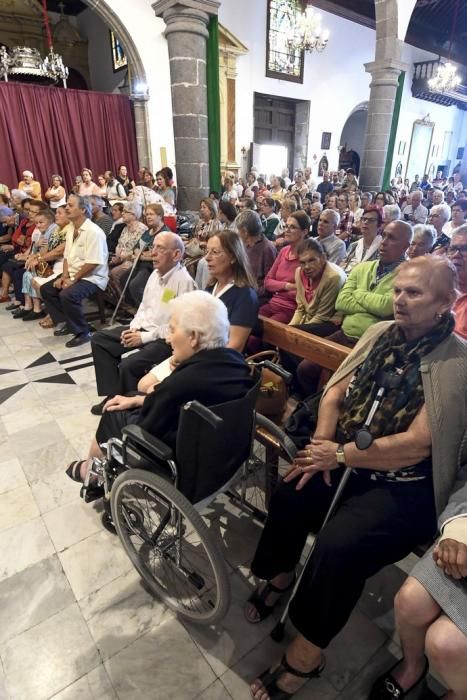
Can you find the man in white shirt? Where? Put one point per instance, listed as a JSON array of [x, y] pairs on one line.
[[415, 212], [85, 271], [147, 331]]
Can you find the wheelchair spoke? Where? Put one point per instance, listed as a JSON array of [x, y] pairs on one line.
[[167, 544]]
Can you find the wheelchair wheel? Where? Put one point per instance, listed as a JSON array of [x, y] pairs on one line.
[[253, 487], [170, 545]]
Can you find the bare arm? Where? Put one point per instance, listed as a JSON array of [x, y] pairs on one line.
[[238, 337]]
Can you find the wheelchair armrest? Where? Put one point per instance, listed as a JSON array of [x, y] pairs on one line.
[[277, 369], [287, 444], [204, 412], [141, 438]]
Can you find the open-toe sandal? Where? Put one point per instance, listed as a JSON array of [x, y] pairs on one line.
[[258, 600], [269, 678], [74, 470]]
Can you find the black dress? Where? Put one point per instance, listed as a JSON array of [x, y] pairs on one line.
[[210, 377]]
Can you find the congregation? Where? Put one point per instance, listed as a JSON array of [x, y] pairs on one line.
[[381, 273]]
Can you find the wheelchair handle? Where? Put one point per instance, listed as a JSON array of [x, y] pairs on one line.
[[277, 369], [204, 412]]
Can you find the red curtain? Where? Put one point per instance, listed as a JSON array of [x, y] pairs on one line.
[[53, 131]]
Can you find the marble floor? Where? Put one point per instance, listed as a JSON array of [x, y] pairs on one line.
[[75, 622]]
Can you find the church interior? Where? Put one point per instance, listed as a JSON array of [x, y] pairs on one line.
[[236, 233]]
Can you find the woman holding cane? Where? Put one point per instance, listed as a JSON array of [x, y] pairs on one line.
[[399, 482]]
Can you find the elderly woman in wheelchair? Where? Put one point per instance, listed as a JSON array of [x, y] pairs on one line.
[[157, 456]]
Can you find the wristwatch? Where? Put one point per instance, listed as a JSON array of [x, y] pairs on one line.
[[340, 456]]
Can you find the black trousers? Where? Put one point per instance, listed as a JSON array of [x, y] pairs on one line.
[[15, 269], [376, 523], [116, 376], [66, 304]]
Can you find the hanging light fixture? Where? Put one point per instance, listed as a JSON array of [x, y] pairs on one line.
[[447, 78], [25, 61], [308, 34]]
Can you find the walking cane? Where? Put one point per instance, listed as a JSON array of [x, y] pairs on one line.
[[135, 262], [384, 379], [278, 632]]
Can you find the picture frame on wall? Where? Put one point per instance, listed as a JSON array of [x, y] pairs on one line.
[[326, 140], [119, 59]]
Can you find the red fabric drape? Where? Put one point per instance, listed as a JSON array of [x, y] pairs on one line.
[[50, 130]]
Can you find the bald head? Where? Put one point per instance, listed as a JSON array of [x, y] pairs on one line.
[[396, 239], [170, 240], [167, 251]]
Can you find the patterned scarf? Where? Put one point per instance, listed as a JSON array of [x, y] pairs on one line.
[[399, 406]]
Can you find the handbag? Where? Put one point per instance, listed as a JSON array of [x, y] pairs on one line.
[[43, 269], [273, 393], [301, 424]]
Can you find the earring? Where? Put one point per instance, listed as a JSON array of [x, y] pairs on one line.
[[439, 317]]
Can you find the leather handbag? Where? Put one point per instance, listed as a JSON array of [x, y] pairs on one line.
[[43, 269], [273, 393]]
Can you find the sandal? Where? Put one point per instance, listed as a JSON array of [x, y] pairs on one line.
[[269, 678], [47, 322], [258, 599], [74, 470], [387, 688]]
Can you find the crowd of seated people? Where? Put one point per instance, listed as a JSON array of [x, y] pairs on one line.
[[332, 261]]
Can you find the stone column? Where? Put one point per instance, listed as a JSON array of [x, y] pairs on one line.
[[142, 130], [463, 172], [385, 75], [186, 34]]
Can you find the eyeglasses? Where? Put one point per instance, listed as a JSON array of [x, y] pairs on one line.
[[161, 249], [291, 228], [453, 249], [214, 253], [368, 220]]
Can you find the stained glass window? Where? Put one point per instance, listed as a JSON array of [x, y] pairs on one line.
[[282, 61]]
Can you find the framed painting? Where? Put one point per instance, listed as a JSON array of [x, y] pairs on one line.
[[119, 59], [326, 140]]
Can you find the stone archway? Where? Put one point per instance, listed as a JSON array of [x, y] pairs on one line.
[[138, 78], [354, 130]]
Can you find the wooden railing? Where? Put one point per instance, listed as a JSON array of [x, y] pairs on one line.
[[324, 352]]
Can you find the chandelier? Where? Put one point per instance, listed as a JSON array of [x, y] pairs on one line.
[[446, 78], [308, 34], [26, 61]]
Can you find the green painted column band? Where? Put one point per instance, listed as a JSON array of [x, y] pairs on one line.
[[214, 123], [392, 136]]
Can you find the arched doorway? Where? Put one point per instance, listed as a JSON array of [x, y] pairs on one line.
[[138, 80], [353, 136]]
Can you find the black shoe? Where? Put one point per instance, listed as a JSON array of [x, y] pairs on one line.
[[33, 316], [21, 313], [78, 340], [12, 307], [387, 688], [62, 329], [98, 408]]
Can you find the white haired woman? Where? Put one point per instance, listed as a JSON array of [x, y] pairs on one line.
[[205, 370], [439, 216], [124, 255], [391, 212], [424, 237]]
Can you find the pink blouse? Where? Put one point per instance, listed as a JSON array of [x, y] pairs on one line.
[[281, 272]]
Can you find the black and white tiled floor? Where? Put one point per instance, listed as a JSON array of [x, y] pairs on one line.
[[75, 623]]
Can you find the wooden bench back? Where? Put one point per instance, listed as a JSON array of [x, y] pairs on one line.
[[324, 352]]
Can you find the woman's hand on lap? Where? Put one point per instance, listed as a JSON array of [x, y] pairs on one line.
[[318, 456]]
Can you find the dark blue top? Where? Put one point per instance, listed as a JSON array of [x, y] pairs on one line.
[[242, 305]]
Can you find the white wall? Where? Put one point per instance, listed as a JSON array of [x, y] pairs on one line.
[[146, 31], [335, 81], [92, 28], [445, 118]]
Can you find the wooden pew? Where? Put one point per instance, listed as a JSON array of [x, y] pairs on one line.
[[324, 352]]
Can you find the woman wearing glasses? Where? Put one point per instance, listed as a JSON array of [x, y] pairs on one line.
[[280, 280], [232, 281], [367, 247]]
